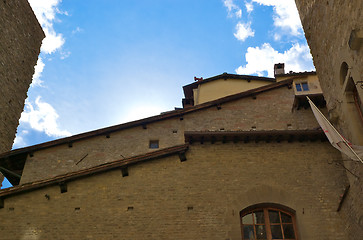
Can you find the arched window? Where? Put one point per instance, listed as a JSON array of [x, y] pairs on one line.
[[268, 221]]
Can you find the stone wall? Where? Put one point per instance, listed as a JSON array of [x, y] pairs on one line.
[[271, 110], [199, 198], [329, 28], [20, 40]]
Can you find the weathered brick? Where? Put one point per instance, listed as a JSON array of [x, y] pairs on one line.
[[197, 199], [20, 39], [328, 26], [266, 112]]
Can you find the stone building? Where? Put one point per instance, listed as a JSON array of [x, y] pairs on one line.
[[20, 39], [334, 31], [238, 165]]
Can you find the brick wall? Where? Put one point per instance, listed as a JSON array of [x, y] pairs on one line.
[[328, 26], [197, 199], [20, 39], [269, 111]]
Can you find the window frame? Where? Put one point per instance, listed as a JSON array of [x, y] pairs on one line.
[[302, 86], [154, 144], [358, 103], [350, 90], [305, 86], [265, 208]]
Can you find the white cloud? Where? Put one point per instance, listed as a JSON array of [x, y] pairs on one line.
[[249, 6], [232, 7], [38, 69], [277, 37], [77, 30], [286, 15], [64, 55], [45, 12], [19, 141], [262, 59], [239, 13], [52, 42], [41, 116], [243, 31]]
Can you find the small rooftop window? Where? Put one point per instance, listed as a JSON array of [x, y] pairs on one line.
[[154, 144], [305, 86]]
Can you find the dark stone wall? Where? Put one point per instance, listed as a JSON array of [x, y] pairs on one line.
[[328, 27], [20, 40]]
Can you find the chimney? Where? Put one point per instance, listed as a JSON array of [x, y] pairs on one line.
[[279, 68]]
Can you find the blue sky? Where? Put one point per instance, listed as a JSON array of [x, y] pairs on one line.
[[108, 62]]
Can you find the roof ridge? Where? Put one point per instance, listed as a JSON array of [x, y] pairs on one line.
[[231, 75], [140, 122]]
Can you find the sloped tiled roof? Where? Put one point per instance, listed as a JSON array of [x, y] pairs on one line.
[[188, 89], [94, 170], [294, 74]]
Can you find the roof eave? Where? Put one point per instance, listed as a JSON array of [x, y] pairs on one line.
[[294, 74], [145, 121], [94, 170]]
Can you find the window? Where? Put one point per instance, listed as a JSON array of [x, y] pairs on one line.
[[268, 223], [358, 103], [344, 68], [352, 96], [351, 92], [303, 86], [154, 144]]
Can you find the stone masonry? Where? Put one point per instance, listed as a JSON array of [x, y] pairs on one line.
[[332, 29], [271, 110], [164, 198], [199, 198], [20, 40]]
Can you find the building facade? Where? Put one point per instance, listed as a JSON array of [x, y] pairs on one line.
[[244, 158], [334, 32], [20, 40], [254, 164]]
